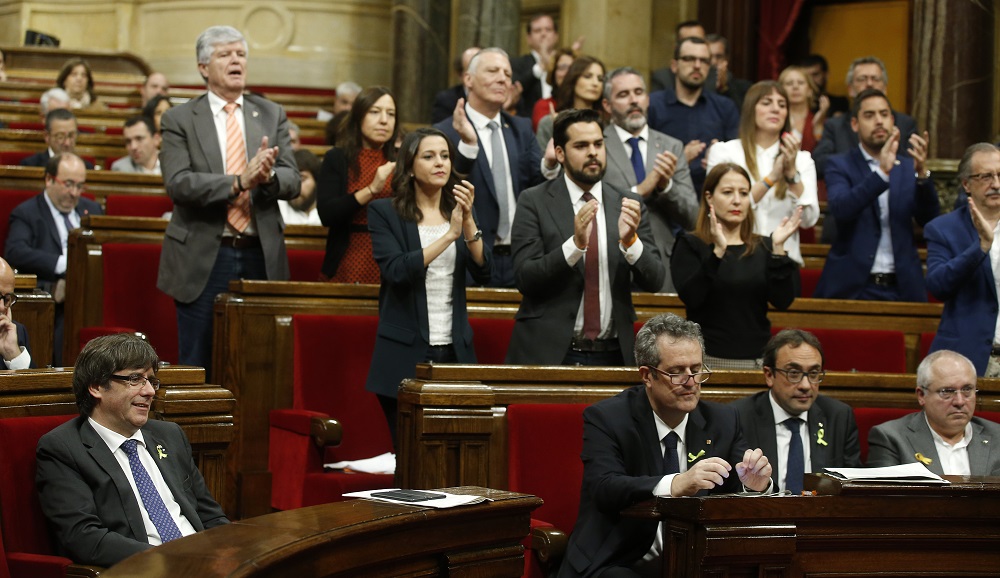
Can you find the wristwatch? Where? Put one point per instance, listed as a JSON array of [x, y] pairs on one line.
[[794, 180], [476, 237]]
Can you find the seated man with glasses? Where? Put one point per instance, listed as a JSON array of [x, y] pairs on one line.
[[945, 436], [791, 412], [60, 135], [40, 227], [113, 482], [13, 335], [655, 439]]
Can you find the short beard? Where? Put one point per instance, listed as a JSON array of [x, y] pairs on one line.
[[582, 177], [632, 124], [691, 85]]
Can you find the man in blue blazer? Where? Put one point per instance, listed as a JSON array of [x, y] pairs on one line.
[[113, 482], [875, 195], [488, 81], [655, 439], [962, 255]]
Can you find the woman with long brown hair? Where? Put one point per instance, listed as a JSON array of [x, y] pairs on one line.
[[77, 80], [583, 87]]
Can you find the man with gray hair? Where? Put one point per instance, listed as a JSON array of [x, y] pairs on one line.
[[345, 93], [648, 163], [655, 439], [226, 160], [945, 436], [52, 99]]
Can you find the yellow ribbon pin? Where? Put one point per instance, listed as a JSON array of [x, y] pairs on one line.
[[693, 457], [819, 437], [923, 459], [162, 453]]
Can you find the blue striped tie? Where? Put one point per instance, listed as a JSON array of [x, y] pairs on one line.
[[151, 499]]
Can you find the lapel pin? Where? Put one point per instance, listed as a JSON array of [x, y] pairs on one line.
[[923, 459], [255, 114], [161, 451], [708, 442], [693, 457]]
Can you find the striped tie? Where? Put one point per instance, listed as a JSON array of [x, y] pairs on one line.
[[236, 161]]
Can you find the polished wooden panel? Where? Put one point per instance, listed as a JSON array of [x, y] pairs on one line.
[[353, 538], [37, 311], [50, 58], [100, 184]]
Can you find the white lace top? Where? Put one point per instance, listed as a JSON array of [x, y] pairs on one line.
[[438, 284]]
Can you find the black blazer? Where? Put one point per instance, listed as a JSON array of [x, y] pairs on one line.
[[445, 102]]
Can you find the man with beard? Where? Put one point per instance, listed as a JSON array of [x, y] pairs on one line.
[[578, 247], [647, 162], [688, 112], [963, 263], [875, 193]]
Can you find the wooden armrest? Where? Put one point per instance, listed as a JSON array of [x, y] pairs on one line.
[[84, 571], [549, 545], [325, 432]]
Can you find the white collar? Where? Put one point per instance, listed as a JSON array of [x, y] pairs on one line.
[[624, 135], [113, 438], [217, 103], [662, 429], [575, 192], [479, 120]]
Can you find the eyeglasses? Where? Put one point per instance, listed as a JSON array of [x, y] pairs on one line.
[[137, 380], [8, 299], [683, 378], [82, 187], [984, 178], [795, 375], [692, 59], [62, 136], [948, 393], [866, 79]]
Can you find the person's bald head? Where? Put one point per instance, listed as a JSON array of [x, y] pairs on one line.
[[6, 282]]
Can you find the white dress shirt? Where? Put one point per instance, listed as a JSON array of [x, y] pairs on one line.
[[57, 216]]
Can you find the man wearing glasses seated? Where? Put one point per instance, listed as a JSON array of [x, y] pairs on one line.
[[13, 335], [800, 429], [113, 482], [655, 439], [945, 436]]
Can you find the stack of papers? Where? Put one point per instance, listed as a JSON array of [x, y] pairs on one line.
[[383, 464], [448, 501], [907, 473]]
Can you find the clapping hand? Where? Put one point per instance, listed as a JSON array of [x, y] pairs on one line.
[[784, 230]]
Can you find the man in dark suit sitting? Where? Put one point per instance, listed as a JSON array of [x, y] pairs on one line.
[[655, 439], [13, 335], [60, 137], [112, 482]]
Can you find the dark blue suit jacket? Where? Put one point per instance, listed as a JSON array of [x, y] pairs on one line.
[[960, 274], [403, 329], [623, 462], [852, 191], [839, 137], [41, 159]]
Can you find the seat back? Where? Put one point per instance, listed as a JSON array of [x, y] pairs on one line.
[[24, 528], [332, 356], [861, 350], [9, 199], [305, 264], [809, 278], [490, 338], [131, 298], [869, 417], [137, 205], [544, 442]]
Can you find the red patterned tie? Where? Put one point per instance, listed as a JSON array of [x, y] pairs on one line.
[[236, 161], [592, 282]]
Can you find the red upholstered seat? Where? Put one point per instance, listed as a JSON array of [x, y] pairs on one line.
[[867, 350], [332, 355], [138, 205], [8, 200], [807, 235], [29, 551], [544, 442], [808, 279], [305, 264], [926, 339], [869, 417], [14, 157], [490, 338]]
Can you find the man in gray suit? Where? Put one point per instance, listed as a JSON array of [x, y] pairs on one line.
[[226, 223], [945, 436], [634, 150], [578, 246]]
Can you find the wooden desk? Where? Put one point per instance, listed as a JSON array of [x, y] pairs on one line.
[[866, 530], [353, 538], [37, 311]]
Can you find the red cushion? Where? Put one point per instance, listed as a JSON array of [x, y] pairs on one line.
[[807, 235], [809, 278], [305, 264], [490, 338], [9, 199], [869, 417], [138, 205], [24, 565], [861, 350], [926, 339]]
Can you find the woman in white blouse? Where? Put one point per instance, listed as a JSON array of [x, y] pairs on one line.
[[783, 177], [424, 239]]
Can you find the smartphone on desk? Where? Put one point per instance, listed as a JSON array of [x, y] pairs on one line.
[[408, 495]]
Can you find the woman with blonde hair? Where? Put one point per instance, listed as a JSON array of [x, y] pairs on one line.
[[806, 112]]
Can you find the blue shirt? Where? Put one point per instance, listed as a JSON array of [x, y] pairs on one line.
[[712, 117]]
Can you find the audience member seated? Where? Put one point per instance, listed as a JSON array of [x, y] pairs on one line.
[[875, 194], [945, 436], [302, 209], [113, 482], [783, 177], [424, 240], [530, 71], [40, 227], [445, 101], [806, 111], [582, 87], [156, 84], [77, 80], [792, 410], [816, 66], [704, 452], [52, 99], [345, 94], [690, 113], [726, 274], [576, 305], [648, 163], [726, 84], [142, 142], [61, 131], [963, 252], [355, 172], [562, 59], [155, 108], [13, 335]]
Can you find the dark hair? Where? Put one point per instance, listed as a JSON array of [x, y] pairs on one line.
[[551, 77], [536, 17], [564, 94], [67, 69], [52, 166], [141, 119], [669, 324], [58, 114], [101, 358], [703, 228], [349, 137], [865, 95], [713, 38], [683, 41], [688, 24], [307, 161], [813, 60], [334, 126], [567, 118], [150, 108], [794, 338], [748, 128], [404, 186]]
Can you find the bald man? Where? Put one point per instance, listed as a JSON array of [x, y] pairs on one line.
[[13, 335]]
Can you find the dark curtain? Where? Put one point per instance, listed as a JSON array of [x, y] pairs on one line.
[[777, 19]]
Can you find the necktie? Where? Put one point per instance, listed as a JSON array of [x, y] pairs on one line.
[[637, 161], [592, 282], [69, 226], [670, 454], [151, 499], [796, 458], [499, 170], [238, 215]]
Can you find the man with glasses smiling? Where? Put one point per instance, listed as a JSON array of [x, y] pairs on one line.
[[113, 482], [655, 439], [800, 429], [945, 436], [40, 227]]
